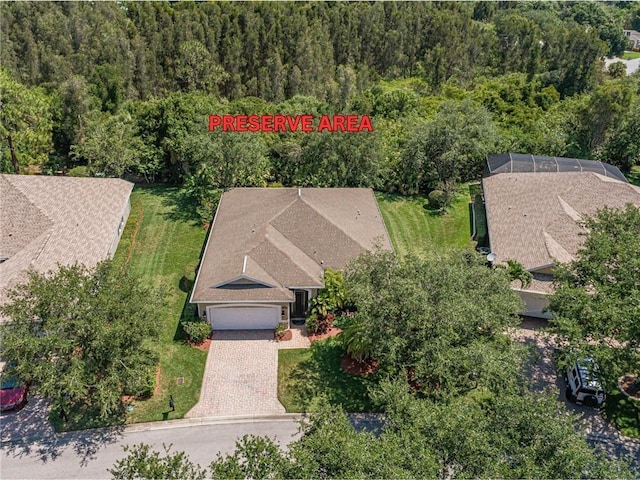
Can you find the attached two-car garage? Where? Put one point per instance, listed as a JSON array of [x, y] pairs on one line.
[[234, 317]]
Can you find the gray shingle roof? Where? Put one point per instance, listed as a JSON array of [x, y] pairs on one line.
[[46, 221], [532, 217], [285, 237]]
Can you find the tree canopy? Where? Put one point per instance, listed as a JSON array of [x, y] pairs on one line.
[[597, 300], [82, 336], [439, 320], [25, 124]]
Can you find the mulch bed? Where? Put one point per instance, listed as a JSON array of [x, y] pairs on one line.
[[204, 345], [628, 384], [363, 368], [332, 332], [286, 336]]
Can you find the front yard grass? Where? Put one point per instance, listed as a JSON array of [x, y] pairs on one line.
[[630, 55], [623, 412], [164, 253], [304, 374], [413, 228]]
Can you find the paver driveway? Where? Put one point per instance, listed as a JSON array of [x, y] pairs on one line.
[[241, 375], [543, 374]]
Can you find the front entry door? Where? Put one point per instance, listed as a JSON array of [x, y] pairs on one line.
[[300, 305]]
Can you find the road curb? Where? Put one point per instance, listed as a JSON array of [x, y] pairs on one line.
[[225, 420], [159, 425]]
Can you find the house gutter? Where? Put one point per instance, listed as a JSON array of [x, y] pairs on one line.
[[486, 216], [204, 254]]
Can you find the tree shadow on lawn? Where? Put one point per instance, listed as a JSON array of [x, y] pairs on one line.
[[322, 375], [182, 207]]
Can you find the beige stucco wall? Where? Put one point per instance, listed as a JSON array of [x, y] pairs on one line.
[[535, 303], [120, 229]]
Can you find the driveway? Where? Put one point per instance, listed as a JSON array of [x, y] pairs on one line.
[[241, 374], [544, 378], [632, 65], [30, 420]]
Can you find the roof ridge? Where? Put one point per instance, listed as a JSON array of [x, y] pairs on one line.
[[5, 177], [299, 199], [272, 229], [337, 227], [267, 278], [48, 222]]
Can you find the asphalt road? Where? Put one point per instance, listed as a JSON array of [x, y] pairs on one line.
[[88, 454]]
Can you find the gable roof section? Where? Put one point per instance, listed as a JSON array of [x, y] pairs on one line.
[[46, 221], [288, 237], [532, 217]]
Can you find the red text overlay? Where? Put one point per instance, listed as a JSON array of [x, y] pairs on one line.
[[289, 123]]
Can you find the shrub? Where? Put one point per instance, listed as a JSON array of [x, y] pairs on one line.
[[333, 297], [280, 330], [197, 331], [436, 199], [311, 323], [319, 324], [144, 385], [79, 171]]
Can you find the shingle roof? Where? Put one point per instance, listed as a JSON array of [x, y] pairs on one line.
[[46, 221], [532, 216], [285, 237]]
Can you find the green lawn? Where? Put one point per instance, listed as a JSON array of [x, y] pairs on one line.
[[630, 55], [304, 374], [623, 412], [413, 228], [162, 245]]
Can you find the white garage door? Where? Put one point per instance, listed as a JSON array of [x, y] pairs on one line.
[[244, 318]]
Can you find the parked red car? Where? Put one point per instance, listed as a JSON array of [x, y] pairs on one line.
[[13, 393]]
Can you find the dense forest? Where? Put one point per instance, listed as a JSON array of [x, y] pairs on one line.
[[125, 88]]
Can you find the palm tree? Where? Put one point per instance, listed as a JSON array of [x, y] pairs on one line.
[[354, 339], [516, 271]]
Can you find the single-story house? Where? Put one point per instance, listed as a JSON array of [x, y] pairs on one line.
[[634, 38], [48, 221], [268, 248], [533, 205]]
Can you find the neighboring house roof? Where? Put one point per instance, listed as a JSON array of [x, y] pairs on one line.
[[265, 240], [46, 221], [532, 217]]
